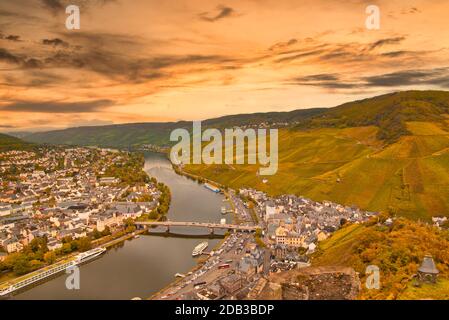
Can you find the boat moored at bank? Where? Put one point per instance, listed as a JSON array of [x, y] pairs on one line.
[[199, 249], [212, 188]]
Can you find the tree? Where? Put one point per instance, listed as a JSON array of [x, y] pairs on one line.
[[21, 265], [50, 257], [66, 248], [96, 234], [106, 231], [84, 244]]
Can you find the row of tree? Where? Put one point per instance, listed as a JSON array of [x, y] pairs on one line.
[[36, 254]]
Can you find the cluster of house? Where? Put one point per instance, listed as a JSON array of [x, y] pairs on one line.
[[28, 161], [69, 202], [298, 222]]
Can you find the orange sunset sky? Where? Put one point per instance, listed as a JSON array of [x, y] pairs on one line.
[[148, 60]]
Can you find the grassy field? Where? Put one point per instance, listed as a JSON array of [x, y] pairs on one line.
[[352, 166]]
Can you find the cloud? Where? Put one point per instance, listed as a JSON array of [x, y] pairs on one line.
[[439, 76], [323, 80], [223, 12], [53, 5], [57, 107], [7, 56], [24, 62], [436, 77], [55, 42], [12, 38], [282, 45], [299, 56], [386, 41]]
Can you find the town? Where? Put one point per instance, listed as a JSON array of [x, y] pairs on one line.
[[70, 198], [290, 228]]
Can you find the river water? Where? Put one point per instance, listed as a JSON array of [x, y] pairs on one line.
[[143, 266]]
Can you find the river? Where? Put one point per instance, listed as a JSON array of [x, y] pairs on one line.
[[143, 266]]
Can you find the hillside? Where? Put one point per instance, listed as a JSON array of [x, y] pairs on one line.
[[352, 166], [126, 135], [397, 250], [388, 112], [11, 143]]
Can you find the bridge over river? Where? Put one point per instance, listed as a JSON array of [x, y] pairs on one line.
[[210, 226]]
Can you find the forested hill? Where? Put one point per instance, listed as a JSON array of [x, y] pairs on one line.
[[388, 112]]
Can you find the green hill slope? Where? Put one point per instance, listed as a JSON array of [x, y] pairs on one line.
[[397, 250], [352, 166], [12, 143], [388, 112]]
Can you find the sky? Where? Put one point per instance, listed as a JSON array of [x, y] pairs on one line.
[[152, 60]]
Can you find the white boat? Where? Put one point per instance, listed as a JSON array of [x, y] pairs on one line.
[[212, 188], [200, 248], [89, 255], [180, 275]]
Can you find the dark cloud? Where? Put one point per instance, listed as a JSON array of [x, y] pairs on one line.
[[223, 12], [323, 80], [35, 78], [320, 77], [411, 10], [299, 56], [336, 54], [438, 77], [55, 42], [32, 63], [24, 62], [57, 107], [168, 61], [7, 56], [282, 45], [12, 38], [386, 41], [394, 54], [54, 6]]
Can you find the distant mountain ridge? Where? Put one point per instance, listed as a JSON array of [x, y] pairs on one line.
[[388, 112], [158, 133]]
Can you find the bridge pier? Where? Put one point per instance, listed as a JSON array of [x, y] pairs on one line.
[[211, 230], [168, 229]]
